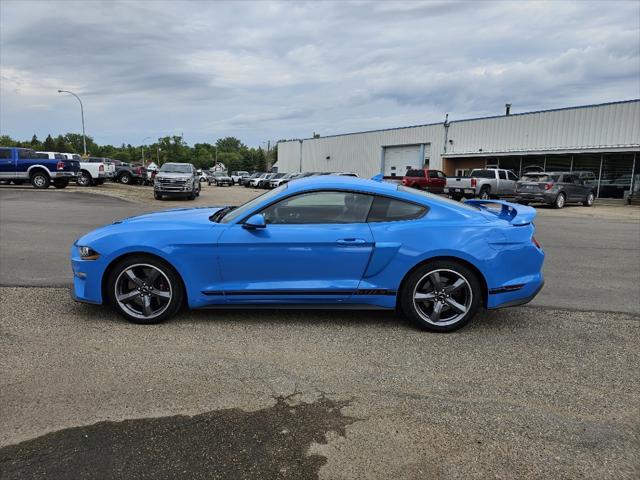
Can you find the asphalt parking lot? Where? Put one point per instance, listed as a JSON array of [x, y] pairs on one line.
[[545, 391]]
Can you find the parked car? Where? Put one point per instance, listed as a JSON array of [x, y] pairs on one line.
[[202, 176], [253, 182], [220, 178], [483, 183], [554, 188], [247, 181], [41, 169], [432, 181], [276, 182], [275, 178], [263, 182], [176, 180], [129, 173], [92, 171], [245, 178], [345, 174], [237, 176], [378, 253]]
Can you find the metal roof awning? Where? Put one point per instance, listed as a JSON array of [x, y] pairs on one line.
[[602, 149]]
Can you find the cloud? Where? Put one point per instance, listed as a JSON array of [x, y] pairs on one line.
[[270, 70]]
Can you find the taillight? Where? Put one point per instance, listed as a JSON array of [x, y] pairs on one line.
[[60, 166], [101, 168], [474, 182], [548, 186], [536, 243]]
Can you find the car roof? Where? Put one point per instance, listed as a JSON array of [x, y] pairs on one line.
[[342, 183]]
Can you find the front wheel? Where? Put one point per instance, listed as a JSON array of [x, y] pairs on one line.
[[144, 289], [441, 296], [588, 202], [157, 196], [125, 178], [62, 183]]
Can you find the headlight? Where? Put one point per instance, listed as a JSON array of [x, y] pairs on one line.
[[88, 253]]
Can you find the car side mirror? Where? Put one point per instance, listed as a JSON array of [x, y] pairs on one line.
[[255, 221]]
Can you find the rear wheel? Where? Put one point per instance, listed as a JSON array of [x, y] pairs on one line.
[[441, 296], [144, 289], [560, 201], [40, 179], [588, 202], [18, 182], [125, 178], [485, 193], [84, 179]]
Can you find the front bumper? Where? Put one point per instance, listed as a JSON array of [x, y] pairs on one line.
[[87, 278]]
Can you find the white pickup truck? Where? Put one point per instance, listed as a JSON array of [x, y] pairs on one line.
[[483, 183], [93, 171]]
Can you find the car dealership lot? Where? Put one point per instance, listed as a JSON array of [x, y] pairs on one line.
[[543, 391]]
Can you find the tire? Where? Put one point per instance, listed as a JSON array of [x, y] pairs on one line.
[[164, 293], [453, 307], [125, 178], [560, 201], [192, 196], [485, 193], [18, 182], [84, 179], [588, 202], [157, 196], [40, 179], [63, 183]]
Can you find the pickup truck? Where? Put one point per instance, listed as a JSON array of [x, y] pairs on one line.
[[129, 173], [93, 171], [41, 169], [432, 181], [483, 183]]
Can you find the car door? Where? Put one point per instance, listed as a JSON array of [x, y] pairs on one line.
[[7, 163], [314, 247], [568, 187]]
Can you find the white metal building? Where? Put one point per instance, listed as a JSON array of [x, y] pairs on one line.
[[601, 138]]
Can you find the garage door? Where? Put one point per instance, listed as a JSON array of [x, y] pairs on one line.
[[397, 160]]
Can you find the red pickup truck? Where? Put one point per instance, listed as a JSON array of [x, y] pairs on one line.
[[433, 181]]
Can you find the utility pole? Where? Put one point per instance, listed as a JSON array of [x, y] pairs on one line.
[[84, 138]]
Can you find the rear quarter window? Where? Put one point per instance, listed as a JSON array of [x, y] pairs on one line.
[[385, 209], [483, 174], [5, 153], [415, 173]]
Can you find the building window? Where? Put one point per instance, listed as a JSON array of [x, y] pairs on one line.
[[617, 172]]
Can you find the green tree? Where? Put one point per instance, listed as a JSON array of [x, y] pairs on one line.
[[229, 144], [35, 143], [49, 144], [7, 141]]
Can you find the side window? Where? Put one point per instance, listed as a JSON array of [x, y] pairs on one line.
[[502, 174], [386, 209], [27, 154], [512, 176], [320, 207], [5, 153]]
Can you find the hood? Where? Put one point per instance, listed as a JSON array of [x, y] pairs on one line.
[[175, 219], [174, 215]]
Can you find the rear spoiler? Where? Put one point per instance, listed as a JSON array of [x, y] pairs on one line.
[[517, 215]]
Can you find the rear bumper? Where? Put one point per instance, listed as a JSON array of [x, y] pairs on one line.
[[523, 295], [460, 191], [535, 197], [63, 174]]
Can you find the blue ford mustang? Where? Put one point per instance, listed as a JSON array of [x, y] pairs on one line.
[[333, 242]]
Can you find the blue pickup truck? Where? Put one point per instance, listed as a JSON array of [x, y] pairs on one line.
[[19, 165]]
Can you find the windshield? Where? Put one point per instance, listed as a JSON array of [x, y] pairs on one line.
[[436, 198], [175, 168], [243, 209], [219, 174], [539, 178]]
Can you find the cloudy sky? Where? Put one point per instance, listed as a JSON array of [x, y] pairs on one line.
[[270, 70]]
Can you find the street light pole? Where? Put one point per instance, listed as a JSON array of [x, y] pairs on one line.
[[84, 138]]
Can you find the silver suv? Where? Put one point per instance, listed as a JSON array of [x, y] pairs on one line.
[[178, 180]]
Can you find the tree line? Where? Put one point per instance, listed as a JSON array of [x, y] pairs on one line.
[[229, 150]]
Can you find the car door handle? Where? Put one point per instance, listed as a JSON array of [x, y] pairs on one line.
[[351, 241]]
